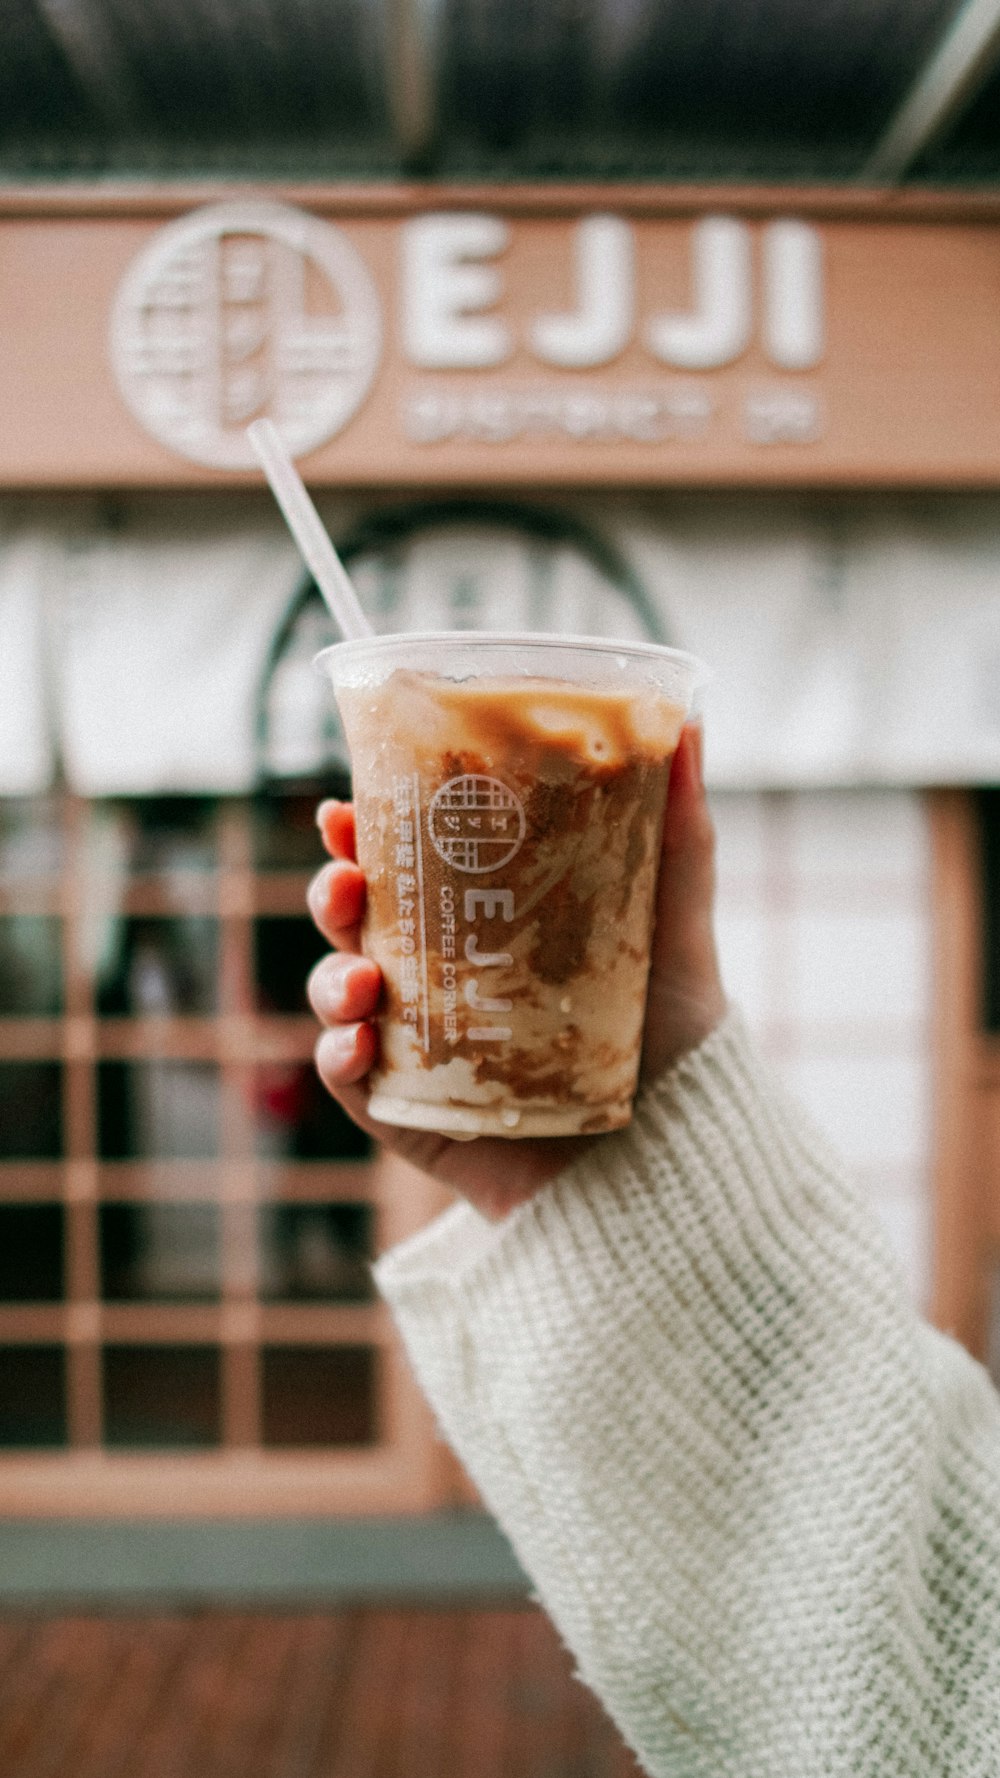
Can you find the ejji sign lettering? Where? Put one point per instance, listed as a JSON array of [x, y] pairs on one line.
[[256, 308]]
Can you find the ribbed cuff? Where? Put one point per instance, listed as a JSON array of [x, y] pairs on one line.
[[716, 1153]]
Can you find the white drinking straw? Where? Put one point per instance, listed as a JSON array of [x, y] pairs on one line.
[[308, 530]]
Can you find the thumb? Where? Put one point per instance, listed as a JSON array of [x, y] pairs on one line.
[[685, 1000]]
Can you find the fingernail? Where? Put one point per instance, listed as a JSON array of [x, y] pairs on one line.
[[326, 808]]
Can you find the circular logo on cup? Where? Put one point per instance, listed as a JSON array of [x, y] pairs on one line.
[[239, 311], [476, 824]]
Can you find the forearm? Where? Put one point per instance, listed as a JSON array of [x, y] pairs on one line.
[[688, 1382]]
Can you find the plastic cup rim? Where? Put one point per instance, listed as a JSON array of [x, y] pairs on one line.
[[384, 641]]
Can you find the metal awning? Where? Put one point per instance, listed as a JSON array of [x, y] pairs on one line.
[[871, 91]]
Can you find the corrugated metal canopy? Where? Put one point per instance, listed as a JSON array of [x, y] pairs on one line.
[[762, 90], [970, 152]]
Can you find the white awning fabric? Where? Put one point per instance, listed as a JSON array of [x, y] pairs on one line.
[[136, 636], [853, 641], [26, 755]]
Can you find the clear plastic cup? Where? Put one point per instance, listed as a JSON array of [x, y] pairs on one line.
[[509, 794]]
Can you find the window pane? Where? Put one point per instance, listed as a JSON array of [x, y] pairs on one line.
[[161, 1396], [30, 965], [317, 1251], [156, 835], [159, 1251], [31, 841], [30, 1111], [285, 835], [158, 966], [313, 1395], [285, 949], [167, 1110], [298, 1120], [31, 1253], [32, 1395]]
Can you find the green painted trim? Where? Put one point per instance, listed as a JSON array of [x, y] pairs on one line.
[[444, 1557]]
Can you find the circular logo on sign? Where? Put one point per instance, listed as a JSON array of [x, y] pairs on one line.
[[240, 311], [476, 824]]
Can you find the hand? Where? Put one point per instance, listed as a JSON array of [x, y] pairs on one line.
[[685, 1000]]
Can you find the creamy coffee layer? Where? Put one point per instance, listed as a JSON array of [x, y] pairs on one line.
[[509, 831]]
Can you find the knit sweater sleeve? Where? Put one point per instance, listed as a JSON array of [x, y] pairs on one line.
[[758, 1496]]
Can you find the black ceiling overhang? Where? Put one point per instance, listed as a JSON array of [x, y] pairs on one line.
[[872, 92]]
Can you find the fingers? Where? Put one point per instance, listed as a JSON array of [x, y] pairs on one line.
[[336, 901], [344, 993], [686, 999], [336, 895], [343, 989], [345, 1055], [336, 825]]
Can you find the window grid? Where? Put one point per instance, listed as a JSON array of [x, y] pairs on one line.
[[826, 924], [394, 1460]]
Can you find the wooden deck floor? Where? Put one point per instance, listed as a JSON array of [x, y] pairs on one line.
[[362, 1693]]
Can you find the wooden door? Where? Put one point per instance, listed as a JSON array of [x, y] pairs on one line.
[[966, 1302]]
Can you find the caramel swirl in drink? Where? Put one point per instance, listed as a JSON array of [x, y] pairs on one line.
[[509, 829]]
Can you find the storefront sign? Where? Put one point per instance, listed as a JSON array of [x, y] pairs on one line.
[[493, 344], [240, 310]]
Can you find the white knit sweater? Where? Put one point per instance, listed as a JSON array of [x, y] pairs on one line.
[[758, 1496]]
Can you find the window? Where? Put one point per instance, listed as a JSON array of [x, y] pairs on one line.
[[825, 924], [187, 1220]]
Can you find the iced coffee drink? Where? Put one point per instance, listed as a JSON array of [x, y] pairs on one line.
[[509, 828]]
